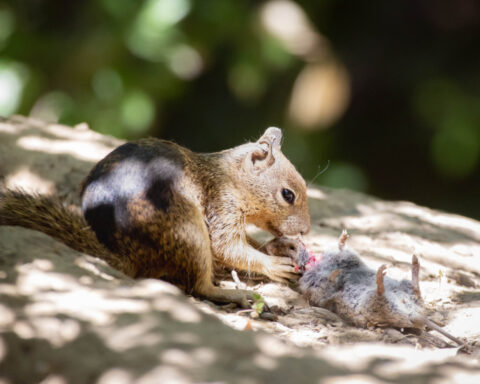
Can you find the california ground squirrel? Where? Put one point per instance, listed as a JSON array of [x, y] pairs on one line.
[[152, 208]]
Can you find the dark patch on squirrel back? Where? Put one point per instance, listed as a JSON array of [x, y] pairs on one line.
[[147, 169], [102, 220]]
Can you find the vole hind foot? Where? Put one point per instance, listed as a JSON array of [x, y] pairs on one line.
[[380, 274], [415, 272], [342, 240]]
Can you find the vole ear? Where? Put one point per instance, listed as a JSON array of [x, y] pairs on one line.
[[261, 157]]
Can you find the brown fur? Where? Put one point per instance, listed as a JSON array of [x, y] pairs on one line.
[[159, 210]]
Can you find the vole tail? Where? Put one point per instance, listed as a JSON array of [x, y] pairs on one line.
[[48, 215], [429, 323]]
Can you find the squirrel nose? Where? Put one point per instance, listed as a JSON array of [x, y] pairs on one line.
[[305, 230]]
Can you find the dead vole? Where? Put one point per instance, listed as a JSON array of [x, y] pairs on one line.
[[341, 282]]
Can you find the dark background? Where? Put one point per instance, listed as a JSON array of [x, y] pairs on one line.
[[389, 92]]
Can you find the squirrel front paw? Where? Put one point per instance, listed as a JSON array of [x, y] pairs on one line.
[[281, 269]]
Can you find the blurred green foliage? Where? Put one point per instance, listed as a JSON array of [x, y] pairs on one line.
[[403, 123]]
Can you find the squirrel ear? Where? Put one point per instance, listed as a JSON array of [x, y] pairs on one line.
[[261, 157], [272, 136]]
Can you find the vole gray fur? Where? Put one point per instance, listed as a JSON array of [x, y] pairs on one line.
[[341, 282]]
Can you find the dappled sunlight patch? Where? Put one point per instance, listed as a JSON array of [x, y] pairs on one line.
[[352, 379], [399, 247], [366, 217], [116, 376], [189, 338], [54, 379], [465, 321], [88, 150], [437, 291], [396, 230], [439, 219], [309, 335], [265, 362], [394, 255], [80, 132], [84, 263], [57, 331], [150, 288], [23, 329], [40, 264], [279, 295], [240, 323], [178, 357], [7, 316], [465, 249], [83, 303], [179, 311], [394, 358], [452, 374], [8, 128], [138, 334], [165, 374], [444, 256], [413, 362], [33, 281], [274, 347], [204, 355], [371, 217], [23, 177]]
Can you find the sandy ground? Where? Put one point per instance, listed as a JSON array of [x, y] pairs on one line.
[[66, 317]]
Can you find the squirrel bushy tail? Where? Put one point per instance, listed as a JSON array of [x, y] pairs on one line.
[[48, 215]]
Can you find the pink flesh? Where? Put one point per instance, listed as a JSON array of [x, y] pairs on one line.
[[312, 259]]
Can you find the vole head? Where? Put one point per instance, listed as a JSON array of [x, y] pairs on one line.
[[275, 194]]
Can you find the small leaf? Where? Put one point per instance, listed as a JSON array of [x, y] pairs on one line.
[[257, 297], [259, 303]]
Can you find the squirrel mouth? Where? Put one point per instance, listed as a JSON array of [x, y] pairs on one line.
[[274, 231]]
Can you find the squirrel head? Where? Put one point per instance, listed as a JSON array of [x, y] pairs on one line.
[[274, 193]]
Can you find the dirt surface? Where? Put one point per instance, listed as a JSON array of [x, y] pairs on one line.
[[67, 317]]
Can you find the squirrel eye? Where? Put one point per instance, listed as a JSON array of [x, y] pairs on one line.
[[288, 195]]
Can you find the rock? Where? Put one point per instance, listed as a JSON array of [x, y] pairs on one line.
[[67, 317]]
